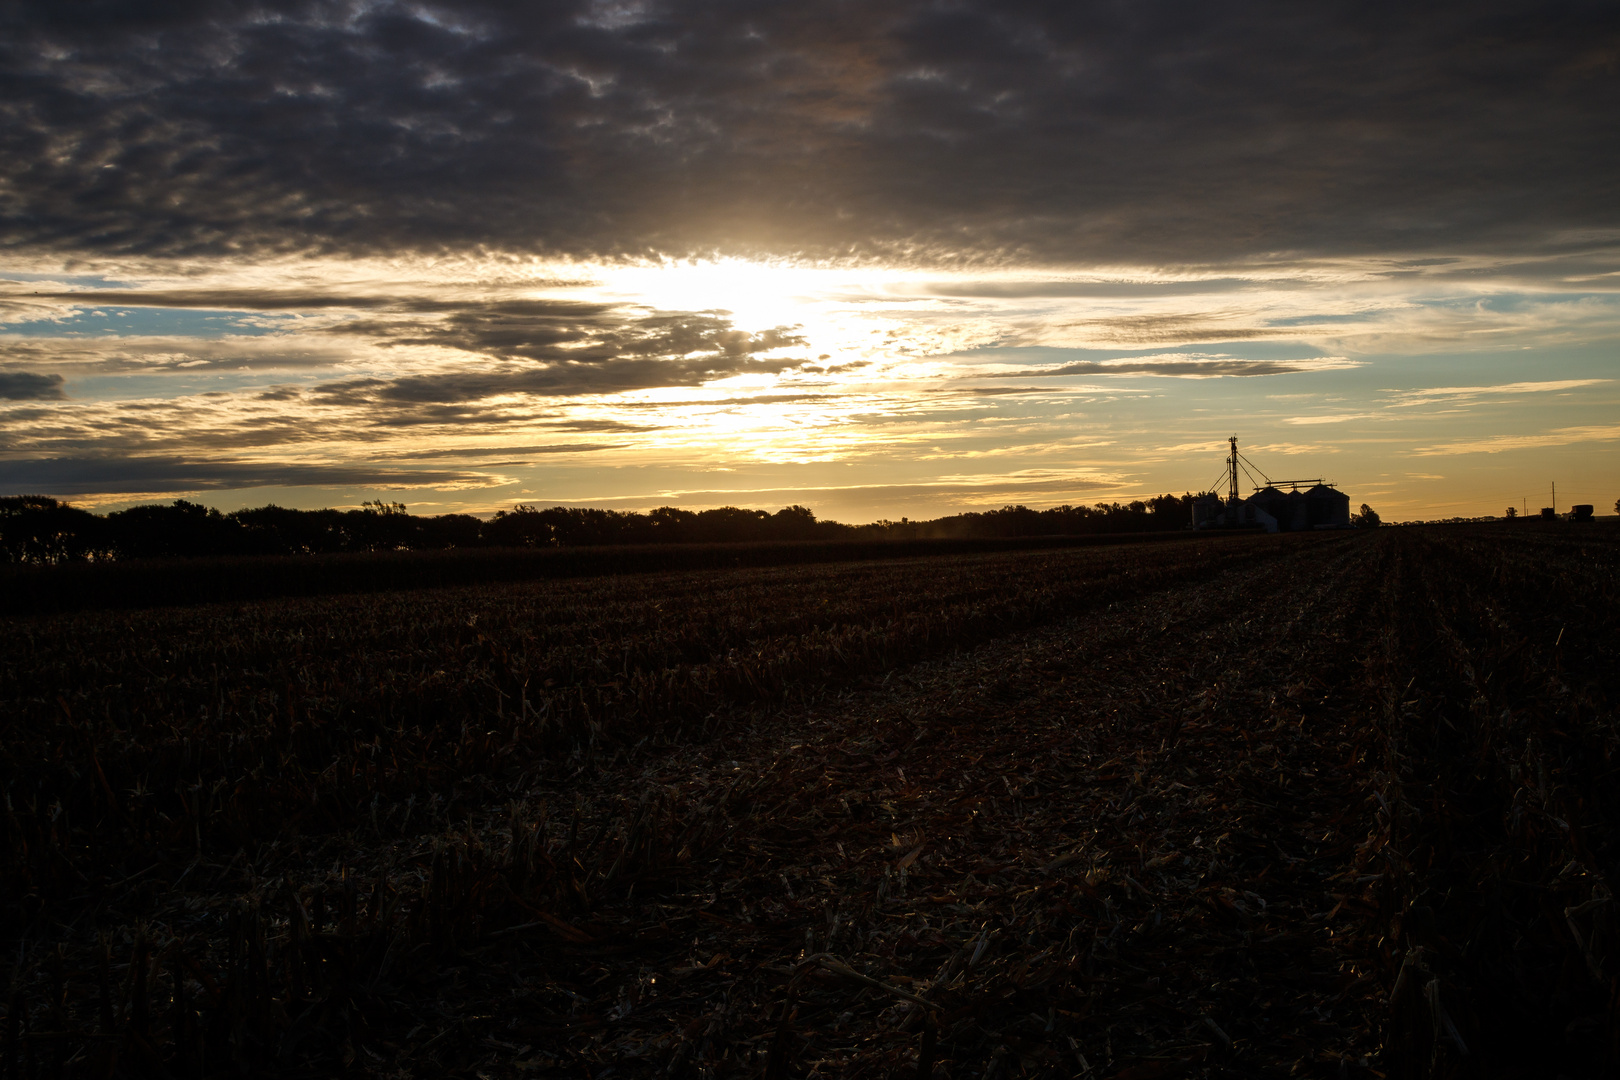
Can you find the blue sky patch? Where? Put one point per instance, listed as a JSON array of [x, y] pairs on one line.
[[111, 321]]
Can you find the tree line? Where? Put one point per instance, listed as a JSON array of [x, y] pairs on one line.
[[39, 529]]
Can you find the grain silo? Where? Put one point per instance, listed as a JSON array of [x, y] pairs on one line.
[[1319, 506]]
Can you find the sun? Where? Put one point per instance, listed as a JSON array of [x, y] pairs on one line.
[[758, 295]]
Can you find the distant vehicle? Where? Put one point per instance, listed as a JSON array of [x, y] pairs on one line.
[[1548, 514], [1581, 512]]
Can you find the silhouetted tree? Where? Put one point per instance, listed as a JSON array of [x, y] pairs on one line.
[[38, 529], [1367, 519], [670, 525], [154, 531], [450, 531], [276, 530], [522, 526], [794, 523], [379, 526]]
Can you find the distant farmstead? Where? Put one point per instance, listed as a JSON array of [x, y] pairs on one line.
[[1306, 505]]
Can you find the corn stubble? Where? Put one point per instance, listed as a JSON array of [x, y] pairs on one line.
[[1330, 805]]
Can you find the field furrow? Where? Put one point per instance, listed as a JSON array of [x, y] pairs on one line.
[[1271, 806]]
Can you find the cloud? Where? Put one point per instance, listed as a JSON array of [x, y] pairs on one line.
[[1453, 394], [563, 348], [482, 382], [583, 333], [1014, 391], [227, 298], [1019, 289], [1496, 444], [1163, 130], [461, 349], [1184, 366], [1166, 329], [1334, 418], [149, 475], [28, 386], [1043, 487], [472, 452], [718, 403], [123, 356]]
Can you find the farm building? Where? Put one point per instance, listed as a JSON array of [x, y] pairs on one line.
[[1319, 506]]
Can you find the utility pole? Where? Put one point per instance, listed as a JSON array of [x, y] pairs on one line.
[[1555, 496], [1231, 468]]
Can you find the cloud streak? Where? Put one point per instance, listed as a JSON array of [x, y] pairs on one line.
[[1043, 486], [1497, 444], [1187, 366], [101, 475], [1457, 394]]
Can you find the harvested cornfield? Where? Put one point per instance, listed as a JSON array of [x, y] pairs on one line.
[[1335, 804]]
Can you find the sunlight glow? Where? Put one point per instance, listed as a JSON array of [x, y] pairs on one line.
[[1126, 376], [758, 295]]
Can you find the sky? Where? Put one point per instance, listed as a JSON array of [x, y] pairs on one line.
[[882, 260]]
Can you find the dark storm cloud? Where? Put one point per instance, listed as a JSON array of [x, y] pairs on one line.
[[28, 386], [1043, 129], [101, 475]]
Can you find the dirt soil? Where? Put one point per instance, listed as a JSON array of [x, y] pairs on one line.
[[1336, 808], [1126, 840]]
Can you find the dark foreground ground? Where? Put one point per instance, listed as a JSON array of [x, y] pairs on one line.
[[1333, 805]]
